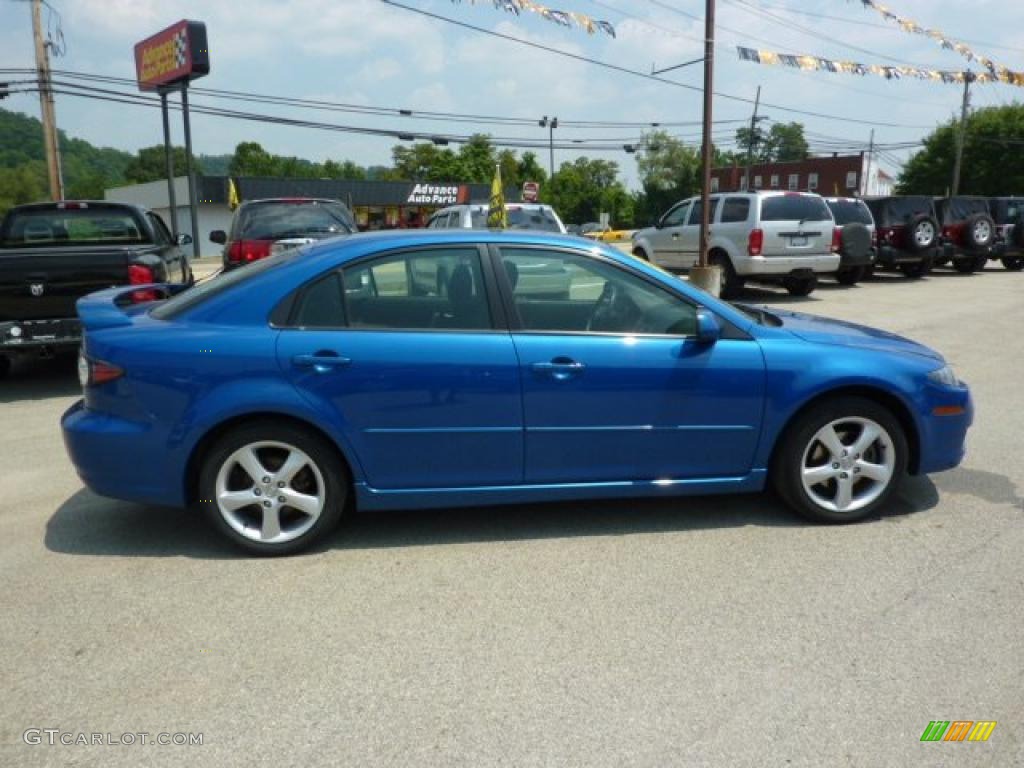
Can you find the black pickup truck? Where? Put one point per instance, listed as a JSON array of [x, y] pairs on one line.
[[52, 254]]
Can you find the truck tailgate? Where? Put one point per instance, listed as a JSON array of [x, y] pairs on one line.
[[38, 284]]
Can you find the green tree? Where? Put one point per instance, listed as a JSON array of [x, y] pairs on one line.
[[529, 169], [251, 159], [24, 184], [780, 143], [343, 170], [150, 164], [580, 191], [425, 161], [669, 171], [477, 158], [509, 168], [993, 158]]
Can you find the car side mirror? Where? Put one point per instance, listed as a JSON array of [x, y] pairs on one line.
[[708, 329], [184, 239], [219, 236], [659, 223]]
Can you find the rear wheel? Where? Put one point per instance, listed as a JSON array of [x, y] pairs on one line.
[[800, 286], [840, 460], [966, 266], [850, 275], [5, 366], [272, 488], [915, 270], [1013, 263], [732, 283]]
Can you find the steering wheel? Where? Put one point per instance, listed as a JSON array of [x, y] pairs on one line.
[[614, 310]]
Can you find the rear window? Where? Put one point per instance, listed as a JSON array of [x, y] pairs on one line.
[[204, 291], [899, 209], [76, 226], [850, 212], [522, 218], [794, 208], [960, 208], [277, 220]]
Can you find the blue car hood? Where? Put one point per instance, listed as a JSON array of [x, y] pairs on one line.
[[826, 331]]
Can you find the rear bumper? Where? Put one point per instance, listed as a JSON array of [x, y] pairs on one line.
[[889, 256], [846, 261], [120, 458], [28, 335], [780, 266]]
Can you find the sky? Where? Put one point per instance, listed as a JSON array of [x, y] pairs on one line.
[[365, 52]]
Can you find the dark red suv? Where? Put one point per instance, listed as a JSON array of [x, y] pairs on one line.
[[968, 230], [1008, 214]]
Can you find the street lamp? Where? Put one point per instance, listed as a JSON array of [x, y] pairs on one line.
[[551, 125]]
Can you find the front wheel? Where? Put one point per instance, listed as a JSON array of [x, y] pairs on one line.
[[840, 460], [800, 286], [1013, 263], [640, 253], [272, 488]]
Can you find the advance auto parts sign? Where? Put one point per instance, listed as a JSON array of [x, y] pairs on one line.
[[438, 194], [177, 54]]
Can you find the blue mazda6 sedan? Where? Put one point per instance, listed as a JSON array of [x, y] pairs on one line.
[[435, 369]]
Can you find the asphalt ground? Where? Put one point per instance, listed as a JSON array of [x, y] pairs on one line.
[[716, 631]]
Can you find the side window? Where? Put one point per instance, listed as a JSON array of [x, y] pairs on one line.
[[163, 237], [454, 220], [695, 212], [416, 290], [321, 304], [435, 222], [735, 209], [562, 292], [676, 216]]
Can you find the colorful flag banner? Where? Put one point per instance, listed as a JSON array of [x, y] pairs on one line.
[[562, 18], [817, 63], [997, 72], [497, 215]]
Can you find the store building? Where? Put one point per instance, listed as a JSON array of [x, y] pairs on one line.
[[835, 175], [375, 204]]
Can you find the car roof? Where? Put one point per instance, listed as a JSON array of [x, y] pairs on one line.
[[292, 200]]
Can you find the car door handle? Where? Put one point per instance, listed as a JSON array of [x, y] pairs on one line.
[[560, 369], [321, 362]]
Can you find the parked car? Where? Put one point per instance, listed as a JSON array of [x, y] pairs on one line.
[[907, 233], [968, 229], [767, 236], [51, 254], [856, 238], [262, 228], [1008, 215], [276, 396], [520, 216]]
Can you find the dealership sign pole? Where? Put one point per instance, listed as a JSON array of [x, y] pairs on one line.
[[167, 62]]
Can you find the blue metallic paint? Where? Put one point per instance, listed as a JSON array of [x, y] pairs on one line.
[[437, 419]]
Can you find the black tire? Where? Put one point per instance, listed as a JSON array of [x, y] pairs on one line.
[[798, 438], [732, 284], [869, 271], [979, 232], [922, 233], [1013, 263], [850, 275], [855, 241], [800, 286], [5, 366], [916, 270], [321, 453], [640, 253], [966, 266]]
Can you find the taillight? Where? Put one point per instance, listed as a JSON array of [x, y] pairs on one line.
[[140, 274], [890, 235], [755, 242], [874, 238], [244, 251], [837, 239], [94, 372]]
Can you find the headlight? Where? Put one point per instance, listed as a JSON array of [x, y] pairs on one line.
[[944, 376]]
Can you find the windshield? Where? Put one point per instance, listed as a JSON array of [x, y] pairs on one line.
[[73, 226], [794, 208], [275, 220], [521, 218], [850, 212]]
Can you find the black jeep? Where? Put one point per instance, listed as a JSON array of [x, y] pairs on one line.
[[1008, 214]]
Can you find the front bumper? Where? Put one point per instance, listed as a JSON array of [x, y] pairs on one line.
[[943, 437], [32, 334]]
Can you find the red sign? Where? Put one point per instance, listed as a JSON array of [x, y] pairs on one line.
[[531, 191], [175, 55]]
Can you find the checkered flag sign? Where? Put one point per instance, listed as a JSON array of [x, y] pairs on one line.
[[180, 46]]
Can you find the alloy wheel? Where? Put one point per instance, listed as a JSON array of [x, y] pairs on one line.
[[270, 492], [924, 234], [982, 231], [848, 464]]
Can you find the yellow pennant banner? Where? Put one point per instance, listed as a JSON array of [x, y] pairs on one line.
[[819, 64], [563, 18], [997, 72]]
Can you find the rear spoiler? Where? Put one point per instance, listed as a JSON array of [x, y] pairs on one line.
[[109, 308]]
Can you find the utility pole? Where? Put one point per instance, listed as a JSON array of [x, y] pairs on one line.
[[551, 124], [708, 278], [49, 115], [750, 145], [866, 176], [968, 77]]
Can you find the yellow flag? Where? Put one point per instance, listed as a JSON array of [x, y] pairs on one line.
[[497, 216], [233, 199]]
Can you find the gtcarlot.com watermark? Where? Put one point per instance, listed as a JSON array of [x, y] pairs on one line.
[[54, 737]]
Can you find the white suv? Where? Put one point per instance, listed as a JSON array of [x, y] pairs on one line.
[[769, 236], [520, 216]]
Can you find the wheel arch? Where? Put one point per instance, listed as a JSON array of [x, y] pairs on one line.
[[216, 431], [883, 397]]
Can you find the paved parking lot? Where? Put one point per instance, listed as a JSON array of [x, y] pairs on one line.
[[702, 631]]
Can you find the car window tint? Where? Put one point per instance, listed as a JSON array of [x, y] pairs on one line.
[[850, 211], [431, 288], [274, 220], [962, 207], [899, 209], [735, 209], [794, 208], [557, 291], [160, 233], [695, 212], [676, 216], [71, 226], [321, 305]]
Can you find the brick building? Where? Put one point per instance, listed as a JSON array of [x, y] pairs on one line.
[[839, 175]]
